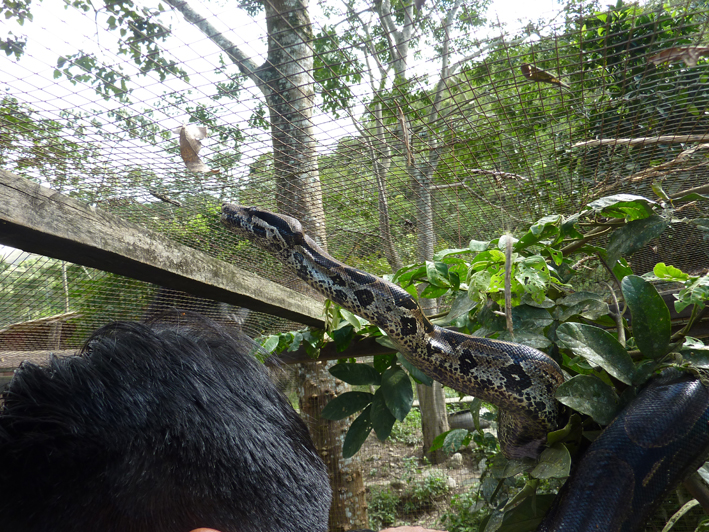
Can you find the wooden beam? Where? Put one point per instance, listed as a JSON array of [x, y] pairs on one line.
[[43, 221]]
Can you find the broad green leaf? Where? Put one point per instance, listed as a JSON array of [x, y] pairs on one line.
[[437, 274], [478, 245], [657, 189], [501, 467], [479, 282], [414, 371], [271, 343], [342, 337], [346, 404], [526, 317], [695, 292], [357, 433], [433, 292], [454, 440], [382, 419], [386, 342], [696, 353], [382, 362], [544, 228], [407, 273], [555, 462], [599, 348], [628, 206], [440, 255], [398, 392], [669, 273], [357, 374], [651, 323], [621, 269], [634, 236], [462, 304], [533, 274], [526, 516], [528, 338], [589, 395], [353, 319], [588, 305], [692, 197]]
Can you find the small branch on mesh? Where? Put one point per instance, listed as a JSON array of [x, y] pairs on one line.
[[640, 141], [508, 284], [617, 315], [581, 263], [696, 190], [593, 233], [464, 185], [165, 198], [665, 168]]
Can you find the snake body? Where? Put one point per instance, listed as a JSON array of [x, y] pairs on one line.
[[520, 380], [647, 450]]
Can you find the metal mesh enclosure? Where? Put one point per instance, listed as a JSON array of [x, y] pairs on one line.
[[427, 121]]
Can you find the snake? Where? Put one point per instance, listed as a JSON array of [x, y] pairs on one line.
[[620, 479]]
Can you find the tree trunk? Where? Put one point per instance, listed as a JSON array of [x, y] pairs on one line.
[[349, 503], [290, 97], [434, 419]]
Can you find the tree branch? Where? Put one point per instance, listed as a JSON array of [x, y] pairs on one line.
[[665, 139], [246, 65]]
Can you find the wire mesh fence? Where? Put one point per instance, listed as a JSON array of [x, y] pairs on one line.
[[431, 127]]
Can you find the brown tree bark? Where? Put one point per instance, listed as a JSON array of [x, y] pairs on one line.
[[349, 503]]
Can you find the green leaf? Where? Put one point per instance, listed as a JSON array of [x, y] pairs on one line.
[[589, 395], [651, 323], [433, 292], [382, 362], [414, 371], [599, 348], [449, 442], [695, 292], [526, 317], [398, 392], [271, 343], [501, 467], [588, 305], [621, 269], [437, 274], [669, 273], [357, 374], [529, 338], [440, 255], [628, 206], [357, 433], [695, 352], [342, 337], [462, 304], [555, 462], [382, 419], [478, 245], [634, 236], [526, 516], [346, 404]]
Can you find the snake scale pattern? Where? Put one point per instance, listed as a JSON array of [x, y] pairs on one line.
[[625, 472]]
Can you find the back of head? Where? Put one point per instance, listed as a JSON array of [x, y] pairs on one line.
[[162, 428]]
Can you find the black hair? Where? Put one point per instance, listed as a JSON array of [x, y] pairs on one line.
[[156, 428]]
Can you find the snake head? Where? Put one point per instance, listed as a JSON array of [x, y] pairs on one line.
[[266, 229]]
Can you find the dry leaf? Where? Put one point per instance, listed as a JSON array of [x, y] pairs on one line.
[[190, 136], [533, 73], [689, 54]]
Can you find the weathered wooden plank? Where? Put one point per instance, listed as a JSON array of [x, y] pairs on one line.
[[40, 220]]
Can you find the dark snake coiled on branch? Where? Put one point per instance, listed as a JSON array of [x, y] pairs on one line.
[[519, 380]]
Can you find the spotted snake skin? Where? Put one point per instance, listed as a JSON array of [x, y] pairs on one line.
[[520, 380]]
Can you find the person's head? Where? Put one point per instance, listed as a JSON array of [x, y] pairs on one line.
[[160, 428]]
